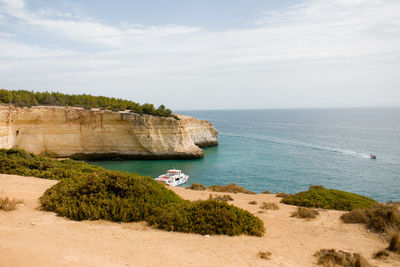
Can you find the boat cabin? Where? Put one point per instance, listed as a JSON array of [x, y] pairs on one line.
[[173, 172]]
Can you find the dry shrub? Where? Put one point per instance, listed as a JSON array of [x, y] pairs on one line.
[[230, 188], [394, 244], [378, 218], [266, 192], [381, 254], [396, 204], [282, 194], [253, 202], [330, 257], [8, 204], [305, 213], [221, 198], [196, 186], [266, 255], [269, 206]]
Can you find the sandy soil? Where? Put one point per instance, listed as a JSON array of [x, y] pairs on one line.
[[30, 237]]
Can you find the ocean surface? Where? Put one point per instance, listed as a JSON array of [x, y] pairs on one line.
[[287, 150]]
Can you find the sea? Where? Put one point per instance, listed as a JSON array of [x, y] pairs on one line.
[[288, 150]]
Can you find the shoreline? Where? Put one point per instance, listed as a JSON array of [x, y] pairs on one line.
[[29, 235]]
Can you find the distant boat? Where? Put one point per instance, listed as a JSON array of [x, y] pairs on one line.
[[173, 177], [371, 156]]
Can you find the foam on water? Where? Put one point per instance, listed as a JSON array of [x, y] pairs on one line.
[[299, 144]]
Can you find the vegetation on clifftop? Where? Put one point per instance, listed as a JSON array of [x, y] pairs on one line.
[[378, 218], [320, 197], [23, 98], [87, 192]]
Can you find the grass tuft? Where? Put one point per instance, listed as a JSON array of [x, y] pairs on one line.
[[266, 255], [378, 218], [320, 197], [8, 204], [253, 202], [304, 213], [381, 254], [394, 243], [224, 198], [269, 206], [196, 186], [331, 257], [230, 188]]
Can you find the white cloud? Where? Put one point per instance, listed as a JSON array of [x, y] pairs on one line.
[[305, 53], [15, 4]]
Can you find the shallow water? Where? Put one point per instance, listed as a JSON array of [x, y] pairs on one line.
[[290, 149]]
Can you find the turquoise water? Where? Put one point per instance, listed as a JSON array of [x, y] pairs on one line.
[[289, 150]]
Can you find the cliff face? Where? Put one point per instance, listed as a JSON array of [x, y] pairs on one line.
[[89, 134]]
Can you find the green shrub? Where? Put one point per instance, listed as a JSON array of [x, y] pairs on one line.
[[230, 188], [19, 162], [282, 194], [207, 217], [320, 197], [378, 218], [23, 98]]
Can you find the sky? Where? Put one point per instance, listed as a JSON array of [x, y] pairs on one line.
[[189, 54]]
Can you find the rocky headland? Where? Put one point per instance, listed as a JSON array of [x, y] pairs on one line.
[[99, 134]]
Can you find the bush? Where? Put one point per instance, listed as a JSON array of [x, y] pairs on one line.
[[87, 192], [19, 162], [394, 243], [221, 198], [330, 257], [378, 218], [266, 192], [282, 194], [196, 186], [253, 202], [7, 204], [207, 217], [23, 98], [304, 213], [320, 197], [230, 188], [269, 206]]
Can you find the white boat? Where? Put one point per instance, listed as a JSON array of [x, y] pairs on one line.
[[173, 177]]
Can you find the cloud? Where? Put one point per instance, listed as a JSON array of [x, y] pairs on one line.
[[293, 51]]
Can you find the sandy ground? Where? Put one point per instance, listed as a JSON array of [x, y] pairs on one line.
[[30, 237]]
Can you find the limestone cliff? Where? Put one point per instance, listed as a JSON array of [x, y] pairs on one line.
[[79, 133]]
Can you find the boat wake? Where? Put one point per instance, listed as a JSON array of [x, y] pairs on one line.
[[300, 144]]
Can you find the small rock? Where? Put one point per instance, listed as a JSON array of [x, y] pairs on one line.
[[207, 236]]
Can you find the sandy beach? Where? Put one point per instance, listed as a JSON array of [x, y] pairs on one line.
[[31, 237]]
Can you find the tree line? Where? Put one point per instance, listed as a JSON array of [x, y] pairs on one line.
[[24, 98]]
